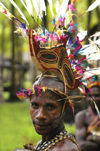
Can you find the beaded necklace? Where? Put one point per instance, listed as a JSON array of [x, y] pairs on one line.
[[44, 146]]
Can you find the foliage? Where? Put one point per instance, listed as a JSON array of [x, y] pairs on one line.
[[70, 128], [16, 128], [82, 18]]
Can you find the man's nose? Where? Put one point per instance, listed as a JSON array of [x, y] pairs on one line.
[[41, 114]]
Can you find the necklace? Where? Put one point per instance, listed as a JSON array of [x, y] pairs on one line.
[[48, 144]]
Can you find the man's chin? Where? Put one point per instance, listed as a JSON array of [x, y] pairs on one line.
[[42, 130]]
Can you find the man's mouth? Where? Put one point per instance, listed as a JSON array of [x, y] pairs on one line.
[[41, 125]]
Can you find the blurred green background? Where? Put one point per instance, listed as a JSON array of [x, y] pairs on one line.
[[17, 70], [16, 128]]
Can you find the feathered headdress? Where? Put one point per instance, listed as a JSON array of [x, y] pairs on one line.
[[53, 41], [54, 47]]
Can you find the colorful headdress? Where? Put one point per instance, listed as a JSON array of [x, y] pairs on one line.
[[53, 41], [93, 82]]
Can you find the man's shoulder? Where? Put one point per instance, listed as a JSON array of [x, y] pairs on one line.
[[80, 118], [81, 113], [71, 145], [65, 145]]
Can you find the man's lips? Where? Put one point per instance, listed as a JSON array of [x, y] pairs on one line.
[[41, 125]]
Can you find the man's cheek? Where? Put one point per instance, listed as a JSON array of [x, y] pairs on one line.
[[56, 116]]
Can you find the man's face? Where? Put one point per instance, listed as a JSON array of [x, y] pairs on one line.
[[95, 93], [45, 113]]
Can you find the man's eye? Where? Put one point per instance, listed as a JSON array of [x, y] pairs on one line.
[[50, 107], [34, 105]]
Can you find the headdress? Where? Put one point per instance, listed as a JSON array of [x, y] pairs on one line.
[[93, 82], [53, 41]]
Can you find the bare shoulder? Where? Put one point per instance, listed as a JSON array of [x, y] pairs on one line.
[[65, 145], [70, 146], [81, 114], [80, 118]]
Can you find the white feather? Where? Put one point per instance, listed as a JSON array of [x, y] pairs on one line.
[[96, 107], [81, 90], [24, 5], [97, 41], [39, 6], [82, 35], [42, 5], [62, 9], [2, 5], [15, 5], [95, 56], [97, 34], [3, 8], [29, 7], [93, 5], [57, 6], [50, 4], [36, 6], [91, 72], [88, 49], [92, 50]]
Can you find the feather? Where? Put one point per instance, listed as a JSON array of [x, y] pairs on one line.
[[94, 53], [15, 5], [96, 107], [50, 4], [23, 4], [29, 7], [95, 56], [5, 11], [82, 35], [39, 6], [91, 49], [81, 90], [93, 5], [32, 15], [97, 41], [63, 7], [91, 72], [97, 34], [88, 49], [21, 27], [75, 97], [36, 7], [72, 106], [57, 6]]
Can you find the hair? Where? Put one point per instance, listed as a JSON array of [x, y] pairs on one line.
[[48, 81]]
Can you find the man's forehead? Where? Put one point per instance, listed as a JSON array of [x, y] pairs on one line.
[[45, 97], [51, 83]]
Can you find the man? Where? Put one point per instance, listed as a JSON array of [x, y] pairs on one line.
[[88, 123], [48, 104]]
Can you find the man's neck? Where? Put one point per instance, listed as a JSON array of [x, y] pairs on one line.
[[53, 133]]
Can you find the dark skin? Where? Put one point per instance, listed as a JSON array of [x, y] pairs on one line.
[[87, 119], [46, 115]]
